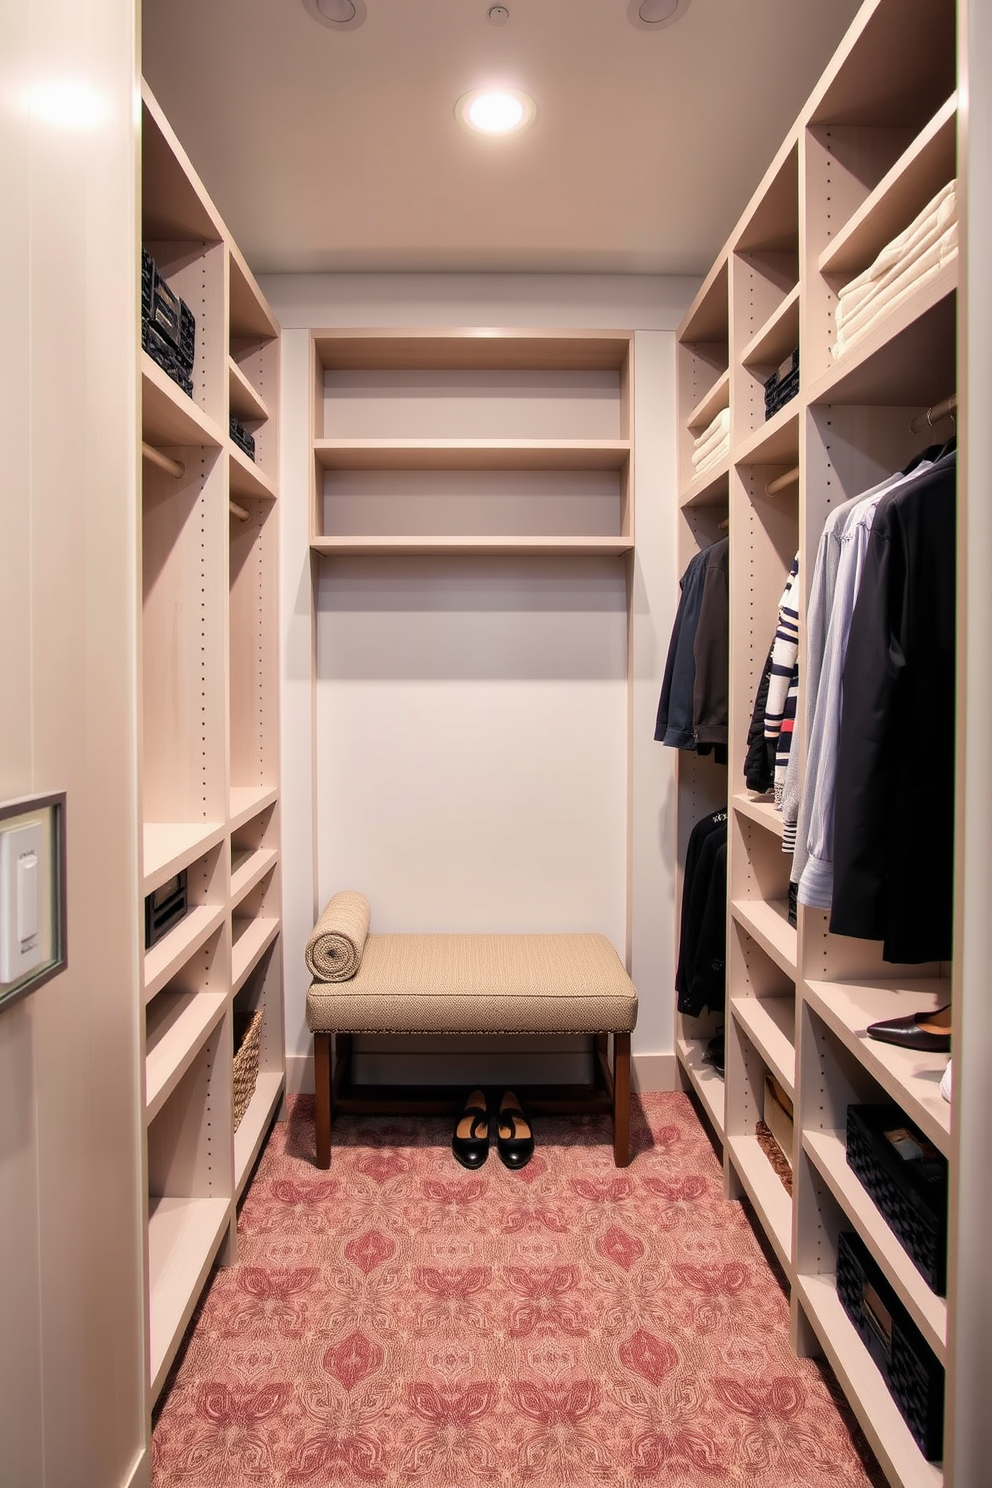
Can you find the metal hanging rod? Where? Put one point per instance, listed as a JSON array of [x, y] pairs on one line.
[[779, 484], [924, 421], [154, 456], [239, 512]]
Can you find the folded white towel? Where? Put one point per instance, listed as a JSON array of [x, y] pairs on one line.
[[943, 253], [712, 458], [714, 434], [849, 304], [938, 214]]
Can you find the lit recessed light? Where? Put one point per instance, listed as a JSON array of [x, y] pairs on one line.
[[496, 110], [655, 15]]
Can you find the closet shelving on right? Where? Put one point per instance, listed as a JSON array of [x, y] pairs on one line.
[[825, 373]]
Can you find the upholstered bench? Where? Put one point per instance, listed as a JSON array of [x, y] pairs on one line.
[[475, 984]]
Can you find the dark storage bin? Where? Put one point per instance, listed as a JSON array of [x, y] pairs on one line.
[[162, 352], [908, 1365], [907, 1178], [165, 907], [783, 385], [242, 438]]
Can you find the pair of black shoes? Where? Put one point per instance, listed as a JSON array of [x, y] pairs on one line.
[[471, 1136]]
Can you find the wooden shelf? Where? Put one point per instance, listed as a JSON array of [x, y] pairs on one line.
[[827, 1150], [169, 847], [472, 454], [172, 952], [712, 488], [770, 1199], [770, 1024], [767, 922], [245, 402], [484, 349], [170, 418], [249, 871], [177, 1025], [607, 547], [715, 401], [249, 801], [708, 317], [183, 1239], [899, 197], [906, 360], [910, 1078], [706, 1082], [251, 316], [777, 337], [251, 938], [765, 813], [776, 442], [247, 478], [250, 1134], [877, 1412], [174, 203]]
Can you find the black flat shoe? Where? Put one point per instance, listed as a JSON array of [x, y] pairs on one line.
[[514, 1138], [470, 1138], [907, 1033]]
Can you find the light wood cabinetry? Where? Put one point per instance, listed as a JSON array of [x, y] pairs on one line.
[[209, 757], [875, 143]]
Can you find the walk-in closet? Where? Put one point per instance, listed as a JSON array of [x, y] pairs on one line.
[[572, 535]]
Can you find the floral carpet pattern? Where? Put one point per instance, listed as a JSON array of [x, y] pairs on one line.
[[398, 1321]]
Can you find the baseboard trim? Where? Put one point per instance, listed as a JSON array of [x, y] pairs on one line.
[[140, 1474], [650, 1072]]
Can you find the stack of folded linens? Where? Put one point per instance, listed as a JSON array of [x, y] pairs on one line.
[[710, 447], [334, 950], [929, 243]]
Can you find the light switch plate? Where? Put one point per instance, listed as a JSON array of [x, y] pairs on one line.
[[22, 948]]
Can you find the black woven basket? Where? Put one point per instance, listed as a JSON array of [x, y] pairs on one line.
[[907, 1363], [907, 1178]]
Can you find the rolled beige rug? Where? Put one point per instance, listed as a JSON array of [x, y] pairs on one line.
[[334, 950]]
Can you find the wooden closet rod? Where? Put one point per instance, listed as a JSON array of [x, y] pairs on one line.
[[175, 468], [926, 420], [779, 484], [239, 512]]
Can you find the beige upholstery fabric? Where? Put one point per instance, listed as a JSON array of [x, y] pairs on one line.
[[334, 950], [479, 984]]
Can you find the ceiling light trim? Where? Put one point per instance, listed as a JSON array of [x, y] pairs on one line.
[[465, 105], [312, 8], [635, 7]]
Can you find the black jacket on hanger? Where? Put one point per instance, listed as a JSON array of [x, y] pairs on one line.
[[693, 706], [700, 977], [894, 807]]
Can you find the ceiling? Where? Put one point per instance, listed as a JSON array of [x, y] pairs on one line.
[[339, 150]]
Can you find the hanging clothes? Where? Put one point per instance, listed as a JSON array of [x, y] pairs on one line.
[[701, 974], [783, 680], [693, 709], [894, 806]]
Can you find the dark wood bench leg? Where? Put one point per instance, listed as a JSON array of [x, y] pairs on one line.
[[322, 1097], [621, 1099]]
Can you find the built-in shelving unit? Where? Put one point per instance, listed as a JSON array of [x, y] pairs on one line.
[[209, 739], [875, 143]]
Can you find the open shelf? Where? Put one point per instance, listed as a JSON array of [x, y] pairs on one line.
[[777, 337], [171, 953], [909, 1077], [715, 401], [903, 192], [607, 547], [178, 1024], [770, 1024], [775, 442], [483, 349], [765, 813], [712, 488], [172, 846], [245, 402], [251, 317], [707, 1084], [183, 1238], [769, 1197], [767, 922], [254, 1124], [472, 454], [248, 801], [169, 417], [827, 1150], [251, 940], [247, 479], [249, 870], [877, 1412]]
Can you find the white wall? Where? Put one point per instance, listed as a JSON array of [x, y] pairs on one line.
[[72, 1347], [471, 728]]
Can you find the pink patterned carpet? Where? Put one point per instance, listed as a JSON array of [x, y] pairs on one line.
[[398, 1321]]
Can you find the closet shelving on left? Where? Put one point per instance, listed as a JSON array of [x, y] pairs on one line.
[[209, 764]]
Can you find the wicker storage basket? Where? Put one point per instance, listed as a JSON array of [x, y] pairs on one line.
[[247, 1037]]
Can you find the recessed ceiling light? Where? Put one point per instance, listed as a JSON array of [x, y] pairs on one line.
[[340, 15], [655, 15], [496, 110]]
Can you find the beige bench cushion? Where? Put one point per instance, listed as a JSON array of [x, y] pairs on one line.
[[479, 984]]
